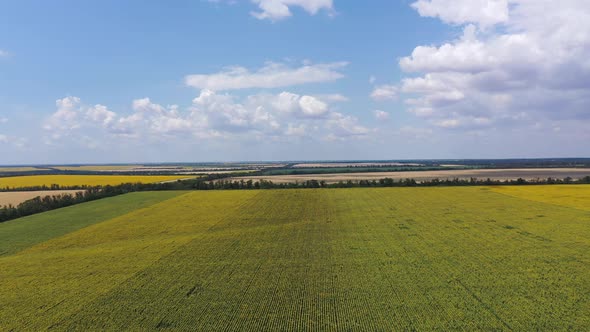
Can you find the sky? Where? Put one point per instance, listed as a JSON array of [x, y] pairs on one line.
[[117, 81]]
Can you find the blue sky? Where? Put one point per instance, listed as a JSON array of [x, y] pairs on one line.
[[153, 81]]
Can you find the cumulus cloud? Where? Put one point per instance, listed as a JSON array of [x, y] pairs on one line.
[[100, 114], [154, 119], [381, 115], [276, 10], [312, 106], [75, 119], [272, 75], [384, 92], [3, 120], [67, 116], [283, 114], [223, 115], [343, 127], [482, 12], [515, 60], [211, 115]]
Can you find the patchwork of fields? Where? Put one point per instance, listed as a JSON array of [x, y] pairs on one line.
[[381, 259], [82, 180], [421, 175]]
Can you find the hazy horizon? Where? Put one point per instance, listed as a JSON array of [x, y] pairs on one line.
[[172, 163]]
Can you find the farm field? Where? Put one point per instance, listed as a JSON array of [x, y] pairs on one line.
[[82, 180], [96, 167], [355, 164], [573, 196], [17, 197], [494, 174], [380, 259], [18, 169], [35, 229]]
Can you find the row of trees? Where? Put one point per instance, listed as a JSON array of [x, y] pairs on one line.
[[385, 182], [217, 182], [42, 204]]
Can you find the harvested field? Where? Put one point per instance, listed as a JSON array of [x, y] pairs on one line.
[[330, 165], [217, 172], [494, 174], [97, 168], [16, 197], [168, 169], [19, 169]]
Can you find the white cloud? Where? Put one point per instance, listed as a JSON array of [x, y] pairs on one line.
[[482, 12], [334, 97], [285, 113], [298, 106], [272, 75], [525, 60], [276, 10], [222, 114], [153, 120], [3, 120], [100, 114], [216, 116], [466, 55], [381, 115], [312, 106], [286, 102], [17, 142], [76, 120], [66, 117], [384, 92], [4, 53], [345, 126]]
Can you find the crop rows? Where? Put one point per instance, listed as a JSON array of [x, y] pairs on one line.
[[313, 260]]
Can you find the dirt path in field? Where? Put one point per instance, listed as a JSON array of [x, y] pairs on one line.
[[494, 174], [17, 197]]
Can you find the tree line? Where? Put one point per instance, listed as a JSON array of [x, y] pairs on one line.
[[220, 182]]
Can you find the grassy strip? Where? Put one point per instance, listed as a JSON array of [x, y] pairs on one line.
[[16, 235]]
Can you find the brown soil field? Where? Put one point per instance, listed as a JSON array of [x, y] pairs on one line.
[[17, 197], [495, 174], [331, 165], [104, 168], [18, 169]]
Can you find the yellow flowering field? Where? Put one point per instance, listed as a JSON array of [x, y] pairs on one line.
[[358, 259], [81, 180]]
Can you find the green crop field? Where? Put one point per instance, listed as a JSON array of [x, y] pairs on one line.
[[386, 259]]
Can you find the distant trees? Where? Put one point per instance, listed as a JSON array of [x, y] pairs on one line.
[[52, 202], [224, 182], [386, 182]]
